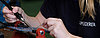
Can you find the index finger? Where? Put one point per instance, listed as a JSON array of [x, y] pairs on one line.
[[6, 10]]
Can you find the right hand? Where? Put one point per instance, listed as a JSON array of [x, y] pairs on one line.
[[9, 15], [58, 29]]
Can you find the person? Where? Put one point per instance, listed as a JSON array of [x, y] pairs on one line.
[[2, 19], [64, 18]]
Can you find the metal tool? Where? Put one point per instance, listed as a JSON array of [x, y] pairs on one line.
[[26, 29], [23, 29], [40, 33]]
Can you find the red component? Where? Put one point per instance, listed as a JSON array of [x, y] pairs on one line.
[[19, 35], [40, 33], [17, 22]]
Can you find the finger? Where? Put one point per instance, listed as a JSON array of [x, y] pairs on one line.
[[45, 22], [50, 28], [56, 19], [6, 10], [15, 9], [5, 16], [10, 16], [53, 18], [45, 25], [52, 33], [10, 20], [50, 22], [20, 11]]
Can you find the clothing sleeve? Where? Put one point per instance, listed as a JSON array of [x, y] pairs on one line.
[[48, 8]]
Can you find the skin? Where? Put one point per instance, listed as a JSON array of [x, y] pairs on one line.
[[55, 25]]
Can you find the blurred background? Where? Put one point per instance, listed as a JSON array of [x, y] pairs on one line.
[[32, 7]]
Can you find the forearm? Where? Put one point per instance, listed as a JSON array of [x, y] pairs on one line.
[[34, 21], [73, 36], [68, 34]]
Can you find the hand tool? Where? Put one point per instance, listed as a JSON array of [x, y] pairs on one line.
[[40, 33]]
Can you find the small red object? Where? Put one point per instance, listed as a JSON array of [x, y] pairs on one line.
[[16, 24], [19, 34], [40, 33]]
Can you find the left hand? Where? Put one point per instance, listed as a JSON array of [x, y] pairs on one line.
[[57, 28]]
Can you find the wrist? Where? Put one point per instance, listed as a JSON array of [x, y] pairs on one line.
[[74, 36], [68, 34]]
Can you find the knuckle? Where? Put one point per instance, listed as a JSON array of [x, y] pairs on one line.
[[59, 19], [5, 8]]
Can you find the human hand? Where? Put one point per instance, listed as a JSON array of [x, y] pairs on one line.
[[9, 15], [57, 28]]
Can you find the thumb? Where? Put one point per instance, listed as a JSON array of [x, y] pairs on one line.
[[15, 9]]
